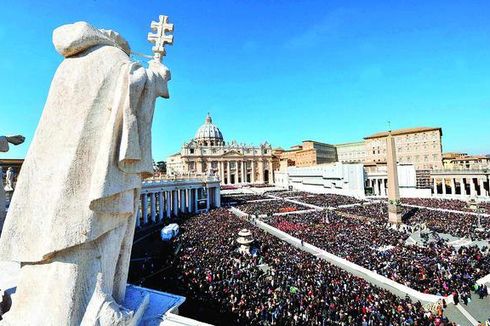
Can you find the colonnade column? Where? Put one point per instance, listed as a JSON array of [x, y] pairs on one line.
[[191, 200], [483, 191], [145, 208], [462, 187], [472, 187], [168, 203], [160, 206], [153, 207], [252, 178], [383, 188], [443, 183], [183, 201], [175, 204], [196, 199], [453, 187]]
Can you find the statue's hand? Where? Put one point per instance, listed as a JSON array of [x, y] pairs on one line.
[[163, 76], [16, 139]]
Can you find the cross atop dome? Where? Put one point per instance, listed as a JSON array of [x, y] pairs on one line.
[[209, 119]]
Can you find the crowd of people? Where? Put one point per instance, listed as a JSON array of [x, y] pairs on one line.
[[326, 200], [279, 284], [452, 204], [436, 268], [322, 200], [241, 198], [455, 224], [269, 207]]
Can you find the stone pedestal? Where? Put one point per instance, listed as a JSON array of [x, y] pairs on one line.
[[394, 213]]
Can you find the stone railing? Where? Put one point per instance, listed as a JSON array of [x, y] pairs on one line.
[[183, 177], [460, 170]]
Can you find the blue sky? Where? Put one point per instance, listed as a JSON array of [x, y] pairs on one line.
[[281, 71]]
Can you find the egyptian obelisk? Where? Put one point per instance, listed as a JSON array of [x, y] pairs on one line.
[[394, 208]]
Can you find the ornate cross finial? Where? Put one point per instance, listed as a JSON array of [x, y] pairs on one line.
[[159, 38], [389, 126]]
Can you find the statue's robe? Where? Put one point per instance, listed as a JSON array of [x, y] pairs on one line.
[[71, 220]]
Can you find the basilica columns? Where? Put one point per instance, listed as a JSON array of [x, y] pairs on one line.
[[208, 198], [261, 171]]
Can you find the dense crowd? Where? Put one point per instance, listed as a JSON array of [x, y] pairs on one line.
[[452, 204], [241, 198], [455, 224], [279, 284], [270, 207], [286, 194], [436, 268], [328, 200]]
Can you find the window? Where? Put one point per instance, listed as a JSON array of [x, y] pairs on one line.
[[191, 150]]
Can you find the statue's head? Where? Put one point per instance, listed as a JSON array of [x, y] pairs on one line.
[[162, 74]]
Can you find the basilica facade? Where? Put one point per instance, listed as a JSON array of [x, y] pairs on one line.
[[234, 163]]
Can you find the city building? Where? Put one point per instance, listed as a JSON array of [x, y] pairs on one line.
[[447, 159], [337, 178], [421, 146], [464, 161], [309, 153], [351, 152], [174, 165], [234, 163]]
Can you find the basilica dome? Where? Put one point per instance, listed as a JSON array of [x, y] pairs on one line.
[[208, 134]]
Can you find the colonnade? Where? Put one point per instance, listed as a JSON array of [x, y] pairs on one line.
[[164, 200], [379, 186], [460, 185]]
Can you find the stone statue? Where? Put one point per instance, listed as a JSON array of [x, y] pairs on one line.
[[72, 217], [9, 179], [4, 147]]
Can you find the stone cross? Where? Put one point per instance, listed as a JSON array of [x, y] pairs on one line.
[[160, 38]]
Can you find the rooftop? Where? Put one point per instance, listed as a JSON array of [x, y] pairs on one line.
[[403, 131]]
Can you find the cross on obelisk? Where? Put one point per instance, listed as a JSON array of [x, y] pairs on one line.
[[160, 38]]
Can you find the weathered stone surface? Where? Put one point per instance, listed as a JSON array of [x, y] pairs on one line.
[[71, 220]]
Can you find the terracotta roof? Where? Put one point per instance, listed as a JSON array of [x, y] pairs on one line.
[[471, 158], [403, 132]]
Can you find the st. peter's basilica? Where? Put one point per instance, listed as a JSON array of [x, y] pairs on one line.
[[234, 163]]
